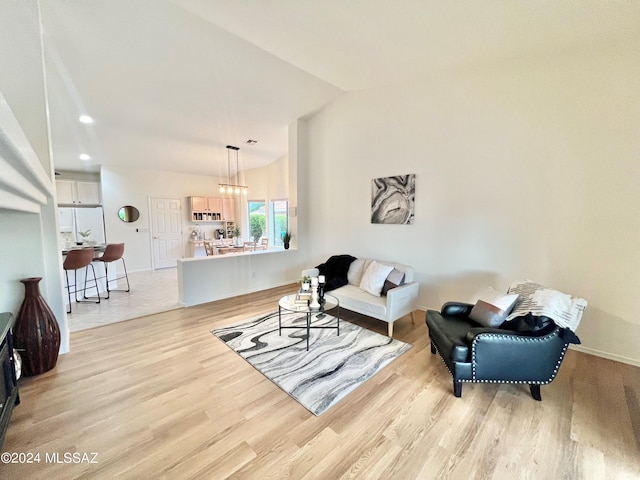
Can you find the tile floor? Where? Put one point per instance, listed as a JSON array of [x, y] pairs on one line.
[[151, 292]]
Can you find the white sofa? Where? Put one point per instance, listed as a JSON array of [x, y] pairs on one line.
[[397, 303]]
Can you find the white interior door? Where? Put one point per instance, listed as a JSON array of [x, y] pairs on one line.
[[166, 231]]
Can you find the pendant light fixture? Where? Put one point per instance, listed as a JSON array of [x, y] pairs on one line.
[[232, 187]]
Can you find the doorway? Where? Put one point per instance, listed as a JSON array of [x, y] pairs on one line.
[[166, 231]]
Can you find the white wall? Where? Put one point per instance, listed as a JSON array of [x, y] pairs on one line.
[[270, 182], [21, 256], [524, 170], [266, 183], [29, 241]]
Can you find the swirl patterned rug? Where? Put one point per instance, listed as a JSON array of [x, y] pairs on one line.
[[333, 367]]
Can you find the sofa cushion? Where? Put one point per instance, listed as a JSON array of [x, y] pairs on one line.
[[449, 335], [352, 298], [359, 265], [394, 279], [335, 271], [374, 277], [492, 307], [356, 269]]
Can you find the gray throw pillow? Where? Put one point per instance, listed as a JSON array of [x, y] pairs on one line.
[[394, 279], [492, 308]]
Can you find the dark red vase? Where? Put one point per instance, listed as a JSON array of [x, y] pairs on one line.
[[36, 334]]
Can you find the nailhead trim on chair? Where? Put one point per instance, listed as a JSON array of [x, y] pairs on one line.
[[517, 339], [442, 359], [530, 382]]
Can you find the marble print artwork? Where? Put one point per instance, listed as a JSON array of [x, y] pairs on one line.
[[333, 366], [393, 199]]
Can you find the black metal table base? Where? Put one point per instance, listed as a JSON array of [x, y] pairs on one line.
[[309, 315]]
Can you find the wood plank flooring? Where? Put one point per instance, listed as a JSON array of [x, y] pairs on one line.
[[161, 397]]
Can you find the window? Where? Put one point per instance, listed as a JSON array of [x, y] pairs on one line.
[[257, 221], [278, 220]]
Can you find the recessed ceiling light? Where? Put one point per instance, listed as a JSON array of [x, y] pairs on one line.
[[84, 156], [85, 119]]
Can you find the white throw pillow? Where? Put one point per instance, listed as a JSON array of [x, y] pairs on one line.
[[492, 307], [356, 269], [374, 277]]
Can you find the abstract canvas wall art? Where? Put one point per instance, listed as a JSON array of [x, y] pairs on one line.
[[393, 199]]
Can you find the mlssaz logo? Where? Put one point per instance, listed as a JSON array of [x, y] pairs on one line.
[[71, 457]]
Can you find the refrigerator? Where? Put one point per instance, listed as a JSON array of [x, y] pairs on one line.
[[81, 219]]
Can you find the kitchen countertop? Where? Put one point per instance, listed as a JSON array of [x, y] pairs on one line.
[[96, 248]]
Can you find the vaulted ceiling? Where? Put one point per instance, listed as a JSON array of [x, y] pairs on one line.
[[170, 83]]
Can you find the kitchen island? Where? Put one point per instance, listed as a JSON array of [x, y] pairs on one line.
[[207, 279]]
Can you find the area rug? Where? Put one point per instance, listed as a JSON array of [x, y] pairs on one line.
[[333, 367]]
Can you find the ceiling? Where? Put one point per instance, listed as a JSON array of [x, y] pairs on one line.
[[170, 83]]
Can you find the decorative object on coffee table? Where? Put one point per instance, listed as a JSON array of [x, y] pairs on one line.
[[321, 284], [36, 332], [314, 305]]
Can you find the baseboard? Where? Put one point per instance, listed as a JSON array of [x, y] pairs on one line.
[[608, 356]]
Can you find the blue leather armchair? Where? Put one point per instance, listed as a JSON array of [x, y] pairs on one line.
[[530, 350]]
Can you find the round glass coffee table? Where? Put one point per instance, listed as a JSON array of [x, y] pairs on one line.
[[288, 303]]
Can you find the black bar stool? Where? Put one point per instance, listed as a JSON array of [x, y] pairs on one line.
[[75, 260], [113, 252]]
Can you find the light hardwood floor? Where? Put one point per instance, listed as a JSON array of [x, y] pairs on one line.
[[161, 397]]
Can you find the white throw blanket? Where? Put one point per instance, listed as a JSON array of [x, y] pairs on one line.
[[538, 300]]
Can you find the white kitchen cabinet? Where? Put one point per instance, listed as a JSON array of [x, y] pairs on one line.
[[66, 191], [88, 193], [76, 192]]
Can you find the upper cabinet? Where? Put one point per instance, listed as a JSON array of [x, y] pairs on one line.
[[212, 209], [206, 204], [76, 192], [229, 209], [206, 209]]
